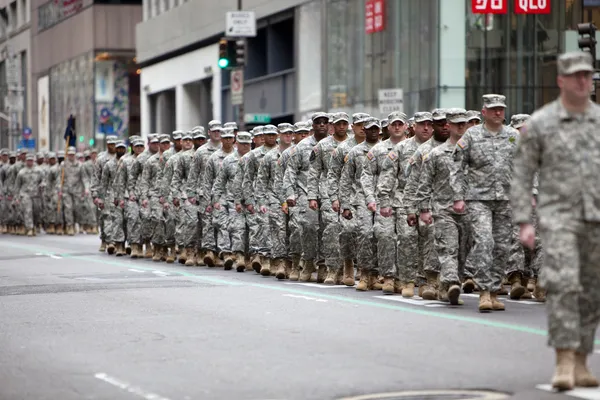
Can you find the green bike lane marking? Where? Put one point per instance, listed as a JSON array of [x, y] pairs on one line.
[[344, 299]]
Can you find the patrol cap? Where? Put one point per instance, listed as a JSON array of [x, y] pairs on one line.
[[198, 132], [164, 138], [518, 120], [23, 151], [30, 156], [138, 142], [111, 139], [359, 118], [411, 121], [340, 116], [12, 154], [121, 143], [258, 130], [372, 122], [187, 136], [384, 123], [176, 135], [230, 125], [4, 152], [51, 154], [80, 155], [397, 116], [71, 150], [133, 138], [438, 114], [285, 128], [301, 127], [494, 100], [214, 125], [423, 116], [153, 138], [319, 114], [456, 115], [270, 130], [40, 154], [244, 138], [60, 154], [86, 153], [93, 151], [574, 61], [228, 133], [473, 114]]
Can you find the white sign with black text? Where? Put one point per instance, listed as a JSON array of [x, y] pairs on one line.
[[391, 100], [240, 24]]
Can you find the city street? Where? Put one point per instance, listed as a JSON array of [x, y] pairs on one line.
[[78, 324]]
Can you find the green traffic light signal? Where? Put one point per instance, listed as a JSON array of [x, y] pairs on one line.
[[92, 141], [81, 138], [223, 62]]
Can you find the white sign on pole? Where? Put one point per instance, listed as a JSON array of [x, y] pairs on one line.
[[237, 87], [240, 24], [391, 100]]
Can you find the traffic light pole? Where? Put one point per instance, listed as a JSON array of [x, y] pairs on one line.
[[241, 124]]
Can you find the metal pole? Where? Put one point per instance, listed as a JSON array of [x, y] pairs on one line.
[[241, 124]]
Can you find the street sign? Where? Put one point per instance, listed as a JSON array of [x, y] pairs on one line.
[[13, 102], [391, 100], [237, 87], [374, 16], [532, 6], [26, 133], [27, 143], [257, 118], [240, 24], [489, 6]]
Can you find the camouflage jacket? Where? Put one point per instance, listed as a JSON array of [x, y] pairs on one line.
[[372, 169], [320, 159], [223, 188], [336, 164], [28, 182], [351, 192], [413, 174], [252, 163], [196, 175], [114, 180], [213, 167]]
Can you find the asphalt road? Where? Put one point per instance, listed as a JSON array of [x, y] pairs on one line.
[[78, 324]]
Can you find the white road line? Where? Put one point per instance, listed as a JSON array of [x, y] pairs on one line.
[[128, 388], [305, 298], [162, 273], [315, 285], [417, 301], [55, 257], [579, 393], [136, 270], [506, 299]]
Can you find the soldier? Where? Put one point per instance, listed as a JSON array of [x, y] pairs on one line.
[[204, 227], [267, 196], [301, 131], [133, 222], [257, 136], [42, 168], [435, 199], [233, 126], [13, 171], [410, 131], [171, 208], [258, 223], [353, 205], [12, 159], [385, 134], [295, 188], [560, 141], [318, 199], [220, 216], [114, 193], [486, 151], [88, 208], [384, 228], [199, 137], [28, 189], [72, 189], [473, 118], [4, 163], [95, 188], [233, 239]]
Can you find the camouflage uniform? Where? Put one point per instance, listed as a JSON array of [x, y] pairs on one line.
[[73, 189], [28, 188], [95, 187], [139, 223], [89, 209], [51, 196], [15, 212], [294, 225], [185, 233], [171, 210], [114, 193], [151, 191], [564, 148]]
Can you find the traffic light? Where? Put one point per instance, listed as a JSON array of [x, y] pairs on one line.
[[224, 53], [81, 138], [587, 41], [91, 142], [240, 52]]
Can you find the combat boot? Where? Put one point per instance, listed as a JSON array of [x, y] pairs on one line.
[[295, 271], [339, 277], [102, 248], [127, 249], [29, 232], [527, 295], [111, 248], [539, 293], [564, 373], [516, 288], [95, 230], [443, 294], [279, 265], [531, 284], [409, 290], [170, 255], [485, 301], [307, 271], [398, 286], [228, 261], [349, 273], [120, 249], [164, 252], [183, 255], [256, 263], [70, 230], [583, 376], [240, 262], [50, 230], [288, 267], [454, 295], [468, 285], [188, 256], [388, 286], [430, 290], [265, 266], [321, 273], [157, 253], [218, 261], [22, 230], [200, 254], [503, 290], [331, 276], [209, 258], [363, 283], [134, 251], [149, 253]]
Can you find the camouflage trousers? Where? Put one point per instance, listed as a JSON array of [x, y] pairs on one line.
[[147, 223], [207, 228], [311, 227], [170, 222], [534, 259], [31, 210], [386, 238], [133, 222], [68, 205], [491, 229], [451, 230], [428, 259], [571, 277], [85, 214], [408, 259], [50, 209], [330, 238], [258, 233], [347, 237], [114, 223], [185, 231], [157, 221], [231, 229], [365, 239], [278, 231], [516, 255], [294, 232]]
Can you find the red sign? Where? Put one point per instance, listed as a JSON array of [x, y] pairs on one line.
[[374, 16], [532, 6], [489, 6]]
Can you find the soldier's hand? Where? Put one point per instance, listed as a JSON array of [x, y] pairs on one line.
[[284, 208], [176, 202], [116, 202], [527, 236], [59, 194], [96, 201], [335, 206], [101, 204], [122, 204], [238, 208], [313, 204], [145, 203], [411, 219], [217, 206], [9, 198], [17, 202], [132, 197], [372, 207], [347, 214], [426, 218], [250, 208], [192, 200], [459, 206], [386, 212], [291, 202], [533, 202], [263, 209], [208, 209]]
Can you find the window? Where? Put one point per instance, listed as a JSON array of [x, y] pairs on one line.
[[4, 20], [14, 22]]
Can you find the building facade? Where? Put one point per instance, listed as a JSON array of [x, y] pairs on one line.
[[83, 64]]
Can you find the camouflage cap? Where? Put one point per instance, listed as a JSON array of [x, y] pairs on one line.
[[133, 138], [257, 130], [40, 154], [411, 122], [30, 156], [86, 153], [139, 142], [574, 61], [93, 151], [71, 150], [176, 135], [359, 118], [80, 155], [153, 138], [187, 135], [120, 143], [51, 154], [4, 152], [244, 138], [60, 154], [423, 116], [270, 130], [22, 151], [438, 114], [494, 100], [384, 122], [214, 125], [518, 120], [12, 154], [371, 123], [164, 138], [112, 139], [227, 133], [301, 126], [198, 133], [230, 125], [473, 114], [285, 128], [319, 114], [456, 115], [397, 116], [340, 116]]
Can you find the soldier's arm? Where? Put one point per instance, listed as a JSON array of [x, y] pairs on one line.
[[220, 184], [314, 172], [237, 182], [262, 182], [290, 176], [367, 178], [346, 187], [248, 180], [96, 178], [333, 175], [145, 180], [526, 163], [388, 178], [193, 177], [165, 187], [425, 187], [104, 191], [176, 180], [207, 183], [413, 174], [458, 180]]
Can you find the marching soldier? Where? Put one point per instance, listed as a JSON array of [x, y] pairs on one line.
[[114, 193], [95, 187], [171, 209], [72, 188], [28, 190]]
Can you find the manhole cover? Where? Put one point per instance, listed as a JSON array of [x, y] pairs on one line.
[[433, 395]]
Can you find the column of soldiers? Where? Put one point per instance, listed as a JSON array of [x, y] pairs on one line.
[[44, 192], [395, 204]]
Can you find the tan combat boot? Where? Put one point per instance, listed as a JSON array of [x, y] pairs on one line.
[[240, 262], [321, 273], [256, 263], [531, 284], [443, 294], [279, 265], [29, 232], [454, 295], [409, 290], [331, 276], [183, 255], [94, 230], [430, 291], [218, 261], [70, 230], [539, 293], [111, 248], [171, 255], [156, 255], [564, 373], [295, 271], [50, 230], [188, 256], [349, 273], [102, 248], [583, 376], [209, 259], [22, 230], [468, 285], [265, 266], [120, 250], [164, 252], [339, 277], [503, 290], [228, 261], [134, 251], [307, 271], [363, 283], [388, 285], [149, 251], [288, 267], [516, 288], [485, 301]]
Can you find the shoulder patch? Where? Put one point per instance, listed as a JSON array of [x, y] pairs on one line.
[[425, 157], [462, 144], [346, 158], [392, 155], [313, 154], [370, 155], [293, 150]]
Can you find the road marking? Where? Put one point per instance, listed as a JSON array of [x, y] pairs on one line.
[[161, 273], [580, 393], [417, 301], [315, 285], [537, 303], [49, 255], [129, 388], [55, 257], [88, 279], [136, 270], [305, 298]]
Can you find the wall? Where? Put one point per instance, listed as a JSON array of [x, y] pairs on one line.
[[178, 73]]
